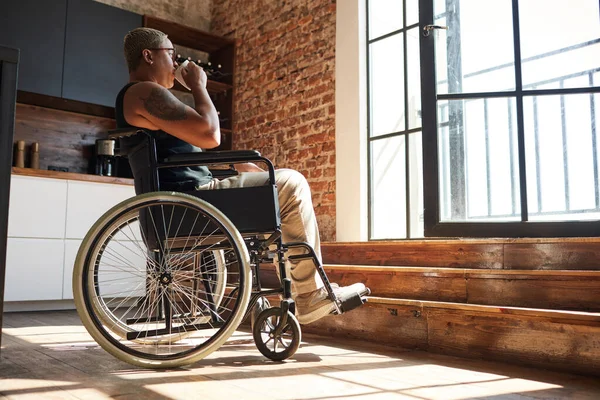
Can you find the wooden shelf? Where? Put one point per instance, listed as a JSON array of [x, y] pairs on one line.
[[59, 103], [218, 87], [187, 36]]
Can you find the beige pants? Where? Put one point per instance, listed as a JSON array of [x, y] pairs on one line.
[[298, 221]]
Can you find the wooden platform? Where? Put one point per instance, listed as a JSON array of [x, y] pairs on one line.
[[48, 355], [527, 301]]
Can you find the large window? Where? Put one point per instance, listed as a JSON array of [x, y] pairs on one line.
[[510, 102], [394, 115]]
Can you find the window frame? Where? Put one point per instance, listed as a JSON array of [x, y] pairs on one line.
[[408, 133], [434, 227]]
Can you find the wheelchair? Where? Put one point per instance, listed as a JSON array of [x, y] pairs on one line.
[[165, 278]]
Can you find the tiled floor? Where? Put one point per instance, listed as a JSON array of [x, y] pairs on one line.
[[49, 355]]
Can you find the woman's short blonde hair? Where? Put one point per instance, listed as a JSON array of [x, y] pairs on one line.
[[136, 41]]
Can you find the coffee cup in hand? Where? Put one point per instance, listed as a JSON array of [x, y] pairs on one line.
[[178, 75]]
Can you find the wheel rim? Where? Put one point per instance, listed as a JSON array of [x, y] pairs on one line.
[[164, 300]]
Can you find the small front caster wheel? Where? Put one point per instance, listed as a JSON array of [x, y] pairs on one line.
[[274, 341]]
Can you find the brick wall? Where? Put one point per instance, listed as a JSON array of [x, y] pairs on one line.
[[285, 79]]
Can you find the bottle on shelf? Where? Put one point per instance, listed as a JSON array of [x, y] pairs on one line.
[[35, 155], [20, 154], [212, 72]]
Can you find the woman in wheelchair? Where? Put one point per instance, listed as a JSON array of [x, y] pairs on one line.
[[165, 278]]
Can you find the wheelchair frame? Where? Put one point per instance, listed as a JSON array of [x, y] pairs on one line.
[[247, 238]]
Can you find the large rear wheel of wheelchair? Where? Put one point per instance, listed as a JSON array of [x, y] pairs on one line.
[[276, 339], [162, 280]]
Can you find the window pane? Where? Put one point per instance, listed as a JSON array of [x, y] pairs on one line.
[[412, 12], [387, 85], [388, 188], [555, 40], [385, 16], [478, 160], [414, 78], [561, 156], [415, 157], [475, 54]]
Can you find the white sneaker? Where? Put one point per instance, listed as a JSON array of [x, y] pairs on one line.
[[316, 305]]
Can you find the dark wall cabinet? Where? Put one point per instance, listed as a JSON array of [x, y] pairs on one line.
[[37, 28], [69, 48], [95, 68]]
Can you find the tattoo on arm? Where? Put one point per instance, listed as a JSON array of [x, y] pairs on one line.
[[162, 104]]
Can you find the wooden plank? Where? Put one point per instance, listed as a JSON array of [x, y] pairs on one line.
[[574, 255], [58, 103], [71, 176], [187, 36], [68, 364], [427, 253], [570, 317], [66, 139], [553, 292], [395, 325], [515, 338], [568, 341], [521, 253], [437, 285], [561, 290]]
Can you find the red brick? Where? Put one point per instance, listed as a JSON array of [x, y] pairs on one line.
[[328, 198], [285, 88]]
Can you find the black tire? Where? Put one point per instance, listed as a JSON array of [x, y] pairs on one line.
[[276, 347]]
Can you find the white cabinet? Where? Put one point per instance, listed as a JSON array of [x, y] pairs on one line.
[[37, 207], [34, 269], [48, 219], [87, 201], [71, 249]]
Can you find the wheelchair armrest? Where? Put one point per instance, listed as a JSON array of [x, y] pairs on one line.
[[215, 158], [124, 132]]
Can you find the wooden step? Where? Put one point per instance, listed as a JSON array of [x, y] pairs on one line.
[[521, 253], [551, 289], [561, 290], [559, 340]]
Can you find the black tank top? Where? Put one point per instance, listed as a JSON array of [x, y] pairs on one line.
[[180, 179]]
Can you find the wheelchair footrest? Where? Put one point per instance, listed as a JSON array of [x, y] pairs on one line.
[[350, 301]]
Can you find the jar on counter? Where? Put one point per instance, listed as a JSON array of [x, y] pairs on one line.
[[20, 154], [35, 156]]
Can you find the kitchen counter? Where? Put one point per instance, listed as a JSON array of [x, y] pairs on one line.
[[71, 176]]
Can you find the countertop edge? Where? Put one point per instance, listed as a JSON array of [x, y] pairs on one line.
[[71, 176]]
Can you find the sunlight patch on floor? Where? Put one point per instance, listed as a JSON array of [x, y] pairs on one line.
[[24, 385]]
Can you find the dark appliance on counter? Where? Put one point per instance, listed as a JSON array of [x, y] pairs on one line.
[[108, 161], [106, 157]]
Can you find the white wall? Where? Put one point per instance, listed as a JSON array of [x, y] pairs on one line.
[[351, 121]]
